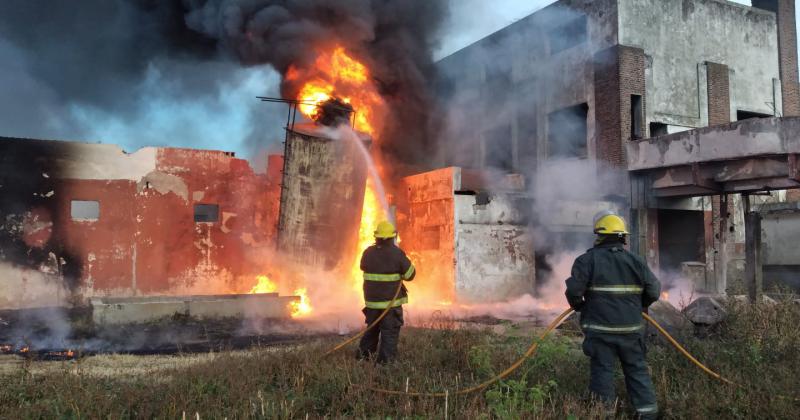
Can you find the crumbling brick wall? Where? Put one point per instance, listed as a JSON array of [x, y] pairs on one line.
[[787, 52], [618, 74], [719, 98], [144, 239]]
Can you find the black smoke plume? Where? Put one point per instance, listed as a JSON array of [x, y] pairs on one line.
[[394, 38], [96, 52]]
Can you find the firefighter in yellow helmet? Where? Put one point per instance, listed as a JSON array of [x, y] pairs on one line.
[[385, 267], [610, 287]]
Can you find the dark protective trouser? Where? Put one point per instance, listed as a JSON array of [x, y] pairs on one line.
[[604, 350], [387, 331]]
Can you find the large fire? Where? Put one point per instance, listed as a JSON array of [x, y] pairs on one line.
[[370, 216], [336, 74], [341, 76]]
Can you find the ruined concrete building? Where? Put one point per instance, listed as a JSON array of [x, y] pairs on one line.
[[610, 82], [682, 109], [104, 222]]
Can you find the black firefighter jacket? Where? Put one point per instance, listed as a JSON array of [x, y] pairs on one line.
[[610, 287], [385, 266]]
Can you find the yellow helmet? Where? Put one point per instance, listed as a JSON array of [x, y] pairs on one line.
[[385, 230], [610, 224]]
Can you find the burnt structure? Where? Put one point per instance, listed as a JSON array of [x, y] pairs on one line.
[[84, 220], [586, 81], [468, 245], [322, 194]]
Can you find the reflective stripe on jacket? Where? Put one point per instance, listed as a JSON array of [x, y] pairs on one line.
[[610, 286], [385, 266]]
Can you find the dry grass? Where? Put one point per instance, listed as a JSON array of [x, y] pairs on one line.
[[757, 346]]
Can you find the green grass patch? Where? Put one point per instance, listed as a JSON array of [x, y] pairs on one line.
[[757, 347]]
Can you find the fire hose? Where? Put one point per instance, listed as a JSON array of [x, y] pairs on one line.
[[532, 350], [370, 326], [528, 353]]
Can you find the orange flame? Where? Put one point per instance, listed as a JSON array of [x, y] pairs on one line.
[[370, 215], [664, 295], [264, 285], [298, 308], [303, 306], [335, 73]]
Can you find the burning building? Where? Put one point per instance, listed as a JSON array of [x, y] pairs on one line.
[[87, 220], [583, 90], [579, 108]]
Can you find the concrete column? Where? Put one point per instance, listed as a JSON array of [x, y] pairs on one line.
[[753, 269], [719, 111], [720, 213]]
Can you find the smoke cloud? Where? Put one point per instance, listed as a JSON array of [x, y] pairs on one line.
[[393, 38], [185, 72], [513, 105]]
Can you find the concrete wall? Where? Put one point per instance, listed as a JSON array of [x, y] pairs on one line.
[[512, 80], [781, 256], [780, 233], [145, 240], [425, 220], [465, 249], [116, 311], [494, 249], [680, 36]]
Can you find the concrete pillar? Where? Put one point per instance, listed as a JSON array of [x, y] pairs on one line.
[[787, 52], [719, 112], [753, 269], [720, 210]]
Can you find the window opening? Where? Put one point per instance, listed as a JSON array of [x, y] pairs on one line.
[[636, 117], [206, 213], [85, 210], [566, 132]]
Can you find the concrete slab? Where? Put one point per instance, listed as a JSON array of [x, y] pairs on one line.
[[737, 140], [113, 311]]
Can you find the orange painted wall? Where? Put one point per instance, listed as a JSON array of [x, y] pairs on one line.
[[146, 242]]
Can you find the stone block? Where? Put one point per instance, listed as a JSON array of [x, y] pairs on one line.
[[668, 316], [705, 311]]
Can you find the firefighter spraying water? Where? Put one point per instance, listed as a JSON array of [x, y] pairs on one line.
[[385, 267]]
